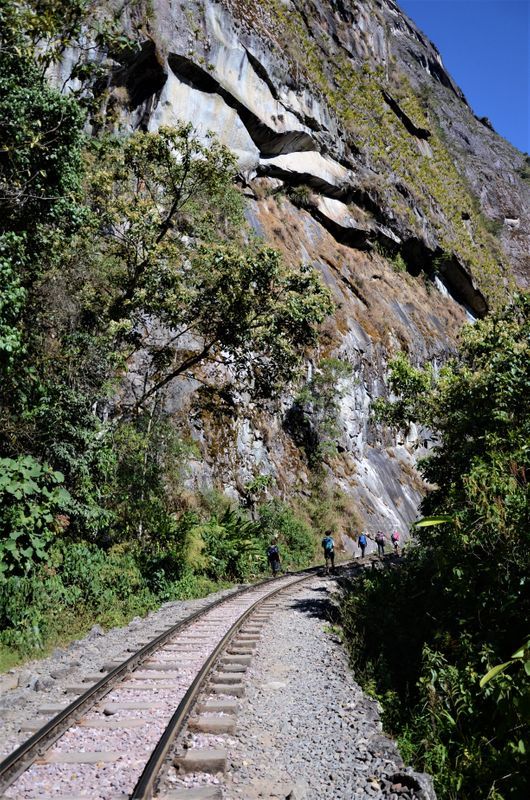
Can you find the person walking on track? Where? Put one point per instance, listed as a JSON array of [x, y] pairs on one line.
[[363, 541], [380, 541], [273, 555], [328, 545], [395, 542]]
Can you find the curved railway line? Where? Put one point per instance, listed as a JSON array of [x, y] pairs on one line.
[[112, 741]]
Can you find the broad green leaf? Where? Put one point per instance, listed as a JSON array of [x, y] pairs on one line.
[[493, 672], [521, 652], [426, 522], [448, 716]]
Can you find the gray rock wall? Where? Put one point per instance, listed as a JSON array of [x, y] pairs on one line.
[[378, 312], [224, 66]]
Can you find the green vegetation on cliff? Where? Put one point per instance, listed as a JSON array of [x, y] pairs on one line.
[[423, 636], [415, 180], [122, 257]]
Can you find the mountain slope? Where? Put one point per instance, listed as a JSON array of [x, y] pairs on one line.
[[358, 153]]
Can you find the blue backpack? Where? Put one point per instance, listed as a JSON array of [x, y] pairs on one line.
[[328, 544], [362, 539]]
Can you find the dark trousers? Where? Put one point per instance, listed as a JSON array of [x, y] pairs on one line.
[[363, 548], [380, 548], [329, 555]]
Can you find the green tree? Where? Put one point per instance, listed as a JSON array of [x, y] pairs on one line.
[[42, 30], [176, 282], [40, 148], [118, 256], [461, 603], [314, 417], [41, 206]]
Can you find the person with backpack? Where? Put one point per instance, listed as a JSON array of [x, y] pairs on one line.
[[328, 545], [395, 542], [380, 541], [363, 541], [273, 556]]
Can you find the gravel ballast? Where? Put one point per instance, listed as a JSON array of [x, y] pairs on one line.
[[40, 683], [306, 730]]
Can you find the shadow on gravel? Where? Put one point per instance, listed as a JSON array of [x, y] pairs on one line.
[[318, 607], [323, 606]]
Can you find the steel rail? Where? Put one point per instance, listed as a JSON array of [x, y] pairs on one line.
[[23, 757], [145, 786]]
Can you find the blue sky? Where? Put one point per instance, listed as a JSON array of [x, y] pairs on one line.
[[485, 45]]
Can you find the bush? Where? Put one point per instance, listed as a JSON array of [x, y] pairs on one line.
[[425, 634], [329, 508], [301, 196], [190, 586], [232, 548], [80, 584], [31, 497], [297, 543], [411, 647]]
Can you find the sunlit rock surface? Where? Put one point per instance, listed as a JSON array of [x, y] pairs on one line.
[[287, 101]]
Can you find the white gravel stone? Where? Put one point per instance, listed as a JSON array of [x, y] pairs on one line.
[[155, 703], [43, 682], [305, 730]]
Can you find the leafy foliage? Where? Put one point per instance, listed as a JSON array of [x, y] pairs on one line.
[[125, 264], [313, 420], [42, 30], [11, 302], [40, 137], [521, 657], [408, 385], [294, 536], [147, 452], [31, 497], [231, 546], [78, 584], [165, 208], [460, 604]]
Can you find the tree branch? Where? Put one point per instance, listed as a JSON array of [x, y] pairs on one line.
[[192, 361]]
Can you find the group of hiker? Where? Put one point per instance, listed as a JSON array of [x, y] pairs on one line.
[[380, 540], [328, 546]]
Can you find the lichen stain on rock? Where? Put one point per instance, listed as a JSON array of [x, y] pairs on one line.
[[359, 155], [241, 440]]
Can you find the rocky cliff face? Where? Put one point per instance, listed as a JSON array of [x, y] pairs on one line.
[[358, 154]]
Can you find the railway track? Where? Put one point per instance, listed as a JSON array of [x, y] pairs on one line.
[[111, 742]]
